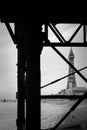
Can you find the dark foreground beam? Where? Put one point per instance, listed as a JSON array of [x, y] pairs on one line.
[[67, 44], [33, 50], [61, 96]]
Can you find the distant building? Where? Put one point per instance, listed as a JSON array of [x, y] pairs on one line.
[[62, 92], [72, 88], [79, 90]]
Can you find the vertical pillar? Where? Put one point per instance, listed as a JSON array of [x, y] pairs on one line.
[[32, 93], [20, 122], [46, 31], [84, 33], [33, 78]]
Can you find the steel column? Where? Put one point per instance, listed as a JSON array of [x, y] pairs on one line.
[[21, 59], [33, 50], [21, 92]]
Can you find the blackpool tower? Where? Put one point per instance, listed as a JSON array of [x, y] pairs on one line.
[[71, 83]]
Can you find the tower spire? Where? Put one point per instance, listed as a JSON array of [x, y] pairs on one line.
[[71, 54], [71, 79]]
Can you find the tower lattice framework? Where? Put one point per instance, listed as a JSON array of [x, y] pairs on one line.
[[71, 79]]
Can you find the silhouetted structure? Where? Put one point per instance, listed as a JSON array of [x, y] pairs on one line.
[[29, 39]]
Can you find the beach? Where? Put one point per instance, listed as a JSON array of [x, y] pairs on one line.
[[52, 113]]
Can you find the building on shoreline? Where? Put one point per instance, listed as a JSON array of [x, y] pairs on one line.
[[72, 88]]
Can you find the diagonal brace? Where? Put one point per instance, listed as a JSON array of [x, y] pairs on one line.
[[75, 33], [60, 37], [61, 78], [63, 39], [61, 55], [54, 31], [10, 32], [72, 109]]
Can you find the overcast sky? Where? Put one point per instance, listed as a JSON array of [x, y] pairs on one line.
[[8, 62], [52, 66]]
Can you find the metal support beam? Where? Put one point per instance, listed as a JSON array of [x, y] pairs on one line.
[[74, 34], [55, 32], [21, 90], [21, 59], [61, 78], [46, 31], [84, 33], [61, 96], [56, 44], [10, 32], [33, 49], [60, 54], [33, 92], [63, 42], [71, 109], [63, 39], [20, 122]]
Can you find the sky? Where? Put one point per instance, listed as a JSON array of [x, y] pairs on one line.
[[52, 66], [8, 60]]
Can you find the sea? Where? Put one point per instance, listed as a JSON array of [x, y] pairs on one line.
[[8, 115]]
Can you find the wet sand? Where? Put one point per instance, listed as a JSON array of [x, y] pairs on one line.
[[51, 113]]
